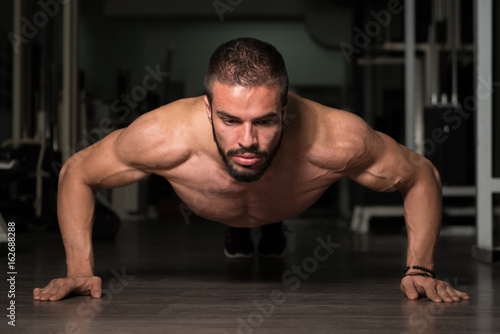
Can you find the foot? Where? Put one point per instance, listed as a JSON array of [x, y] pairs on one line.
[[238, 244]]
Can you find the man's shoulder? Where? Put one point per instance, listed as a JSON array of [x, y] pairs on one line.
[[339, 137], [161, 138], [327, 124], [330, 118]]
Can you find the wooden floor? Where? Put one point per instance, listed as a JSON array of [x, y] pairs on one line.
[[169, 277]]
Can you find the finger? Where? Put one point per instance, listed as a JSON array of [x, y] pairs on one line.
[[44, 296], [36, 293], [56, 290], [96, 293], [60, 293], [44, 293], [453, 294], [463, 295], [88, 286], [409, 289], [444, 293], [459, 295], [432, 294], [96, 288], [47, 294]]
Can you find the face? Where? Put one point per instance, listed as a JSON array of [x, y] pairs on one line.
[[247, 127]]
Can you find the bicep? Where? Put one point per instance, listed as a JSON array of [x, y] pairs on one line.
[[102, 165]]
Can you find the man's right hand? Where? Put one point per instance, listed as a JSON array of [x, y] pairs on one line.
[[59, 288]]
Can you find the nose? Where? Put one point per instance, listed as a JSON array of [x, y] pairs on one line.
[[248, 136]]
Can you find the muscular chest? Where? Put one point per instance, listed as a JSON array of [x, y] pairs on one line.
[[283, 192]]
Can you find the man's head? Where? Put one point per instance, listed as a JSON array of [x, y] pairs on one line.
[[247, 62], [246, 96]]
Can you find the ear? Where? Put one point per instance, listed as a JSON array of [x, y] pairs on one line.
[[208, 108]]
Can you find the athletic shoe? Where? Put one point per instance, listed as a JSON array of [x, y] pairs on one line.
[[238, 243], [272, 242]]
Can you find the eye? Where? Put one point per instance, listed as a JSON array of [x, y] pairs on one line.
[[229, 121], [265, 122]]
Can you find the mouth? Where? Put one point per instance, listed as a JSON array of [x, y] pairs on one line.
[[246, 159]]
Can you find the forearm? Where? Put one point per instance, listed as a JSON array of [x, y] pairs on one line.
[[75, 211], [423, 208]]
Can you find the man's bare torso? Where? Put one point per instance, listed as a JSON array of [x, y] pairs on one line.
[[302, 170]]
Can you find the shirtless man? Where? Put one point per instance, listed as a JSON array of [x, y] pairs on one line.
[[246, 154]]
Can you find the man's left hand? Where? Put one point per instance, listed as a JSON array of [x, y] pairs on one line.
[[438, 291]]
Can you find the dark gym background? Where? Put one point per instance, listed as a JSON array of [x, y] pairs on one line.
[[119, 43]]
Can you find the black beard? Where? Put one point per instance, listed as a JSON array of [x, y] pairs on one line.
[[250, 176]]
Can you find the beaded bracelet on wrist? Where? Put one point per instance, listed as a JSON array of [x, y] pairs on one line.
[[433, 274]]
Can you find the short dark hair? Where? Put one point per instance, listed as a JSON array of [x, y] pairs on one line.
[[247, 62]]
